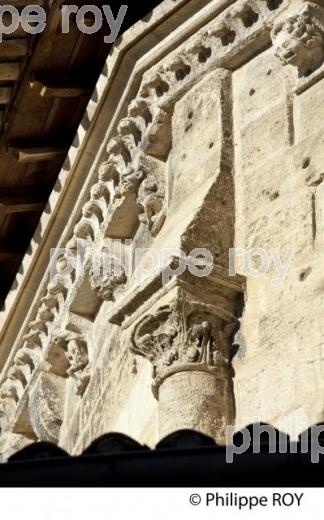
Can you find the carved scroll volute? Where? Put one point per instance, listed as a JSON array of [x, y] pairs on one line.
[[182, 338], [298, 39]]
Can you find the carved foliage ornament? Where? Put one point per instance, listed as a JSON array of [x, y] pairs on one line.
[[181, 338], [298, 39]]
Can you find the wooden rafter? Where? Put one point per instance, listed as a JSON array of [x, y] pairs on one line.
[[13, 48], [9, 71], [20, 201], [49, 87], [29, 154]]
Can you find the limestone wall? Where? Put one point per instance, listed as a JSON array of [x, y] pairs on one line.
[[278, 176]]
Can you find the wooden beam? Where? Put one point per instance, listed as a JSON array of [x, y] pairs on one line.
[[9, 71], [63, 85], [20, 201], [5, 95], [48, 89], [13, 48], [36, 154], [26, 207]]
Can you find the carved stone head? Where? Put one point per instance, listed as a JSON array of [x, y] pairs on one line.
[[298, 40], [77, 354], [108, 276], [75, 362]]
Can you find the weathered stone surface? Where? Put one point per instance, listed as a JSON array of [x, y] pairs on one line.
[[46, 404], [214, 144], [10, 443]]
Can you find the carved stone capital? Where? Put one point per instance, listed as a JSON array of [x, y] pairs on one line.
[[298, 39], [184, 335]]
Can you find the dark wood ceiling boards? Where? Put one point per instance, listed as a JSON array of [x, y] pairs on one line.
[[46, 81]]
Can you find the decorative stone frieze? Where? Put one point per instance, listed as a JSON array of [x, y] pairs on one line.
[[298, 39]]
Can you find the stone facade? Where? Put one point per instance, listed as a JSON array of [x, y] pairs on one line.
[[214, 142]]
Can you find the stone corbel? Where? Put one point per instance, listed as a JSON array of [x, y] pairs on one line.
[[46, 406], [140, 195], [77, 355], [27, 360]]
